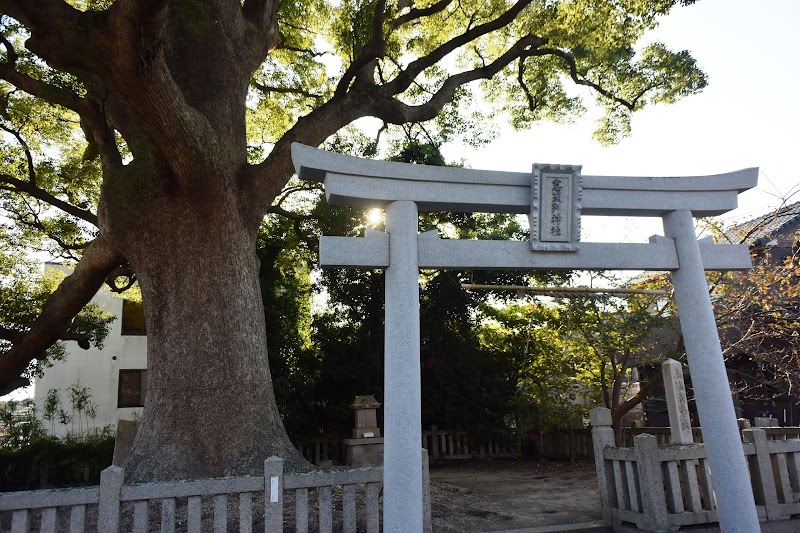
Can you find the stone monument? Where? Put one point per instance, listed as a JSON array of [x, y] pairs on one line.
[[680, 422]]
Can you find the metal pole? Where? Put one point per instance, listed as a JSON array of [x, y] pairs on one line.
[[402, 457], [730, 478]]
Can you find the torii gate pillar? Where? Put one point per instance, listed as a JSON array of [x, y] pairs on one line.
[[402, 481], [710, 379]]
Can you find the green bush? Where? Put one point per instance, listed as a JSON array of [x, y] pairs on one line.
[[30, 458], [49, 461]]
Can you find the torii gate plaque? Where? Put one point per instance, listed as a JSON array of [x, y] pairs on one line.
[[554, 196]]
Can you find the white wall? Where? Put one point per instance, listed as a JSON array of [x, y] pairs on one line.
[[96, 369]]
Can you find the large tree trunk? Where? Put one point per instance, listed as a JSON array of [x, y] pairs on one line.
[[210, 409], [171, 78]]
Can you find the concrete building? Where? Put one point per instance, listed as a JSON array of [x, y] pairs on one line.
[[116, 374]]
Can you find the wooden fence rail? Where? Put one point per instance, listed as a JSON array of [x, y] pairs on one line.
[[322, 451], [446, 445]]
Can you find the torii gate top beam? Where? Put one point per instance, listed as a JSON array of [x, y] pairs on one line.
[[358, 182]]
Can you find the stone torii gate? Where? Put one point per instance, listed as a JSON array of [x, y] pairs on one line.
[[554, 197]]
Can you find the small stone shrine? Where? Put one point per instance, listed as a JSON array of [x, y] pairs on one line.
[[366, 446]]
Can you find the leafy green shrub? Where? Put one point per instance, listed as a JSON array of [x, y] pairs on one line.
[[30, 458], [48, 461]]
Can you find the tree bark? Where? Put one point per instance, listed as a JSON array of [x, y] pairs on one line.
[[210, 410]]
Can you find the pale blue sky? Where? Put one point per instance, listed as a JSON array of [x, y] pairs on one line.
[[748, 116]]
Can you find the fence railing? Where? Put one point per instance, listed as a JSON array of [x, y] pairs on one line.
[[663, 434], [659, 488], [562, 444], [259, 502], [322, 450], [442, 445], [446, 445]]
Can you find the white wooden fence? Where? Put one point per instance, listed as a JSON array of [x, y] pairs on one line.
[[204, 505], [660, 488]]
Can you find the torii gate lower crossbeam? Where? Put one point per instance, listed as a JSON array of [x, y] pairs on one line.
[[401, 189]]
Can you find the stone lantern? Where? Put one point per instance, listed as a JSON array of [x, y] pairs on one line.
[[366, 446]]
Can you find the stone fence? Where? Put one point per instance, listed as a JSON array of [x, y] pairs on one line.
[[255, 503], [660, 488], [662, 434]]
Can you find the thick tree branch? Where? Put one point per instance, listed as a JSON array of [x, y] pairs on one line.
[[38, 88], [142, 79], [639, 397], [92, 118], [64, 304], [578, 79], [405, 78], [396, 112], [61, 34], [27, 150], [375, 49], [13, 336], [10, 183], [263, 15], [266, 89], [416, 14], [260, 184]]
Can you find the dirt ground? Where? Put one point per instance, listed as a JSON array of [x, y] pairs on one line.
[[512, 494]]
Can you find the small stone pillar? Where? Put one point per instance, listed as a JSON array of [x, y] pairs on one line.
[[366, 446], [677, 406], [602, 438]]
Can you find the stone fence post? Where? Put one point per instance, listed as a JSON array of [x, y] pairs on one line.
[[651, 483], [273, 494], [602, 438], [427, 526], [764, 489], [435, 442], [109, 506], [766, 422]]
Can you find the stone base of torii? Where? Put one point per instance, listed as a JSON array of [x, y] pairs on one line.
[[554, 197]]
